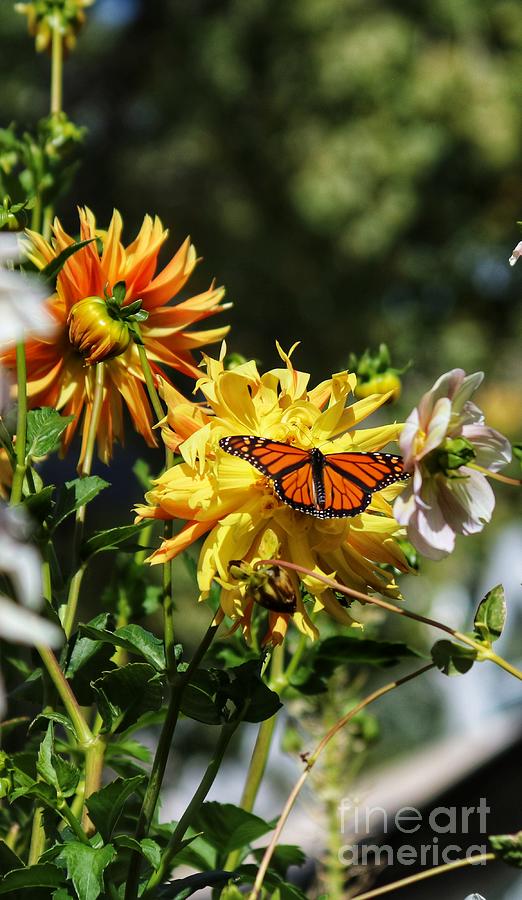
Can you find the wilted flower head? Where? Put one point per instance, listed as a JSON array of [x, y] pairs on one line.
[[23, 313], [234, 505], [95, 292], [442, 440], [21, 562]]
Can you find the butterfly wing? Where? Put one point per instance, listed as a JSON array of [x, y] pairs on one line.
[[371, 471], [289, 468], [345, 481], [272, 458]]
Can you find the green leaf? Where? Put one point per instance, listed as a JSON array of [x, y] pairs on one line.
[[343, 649], [508, 847], [85, 867], [148, 848], [246, 685], [88, 658], [184, 887], [285, 855], [74, 494], [110, 539], [55, 771], [125, 693], [44, 428], [106, 805], [58, 718], [44, 763], [326, 656], [8, 859], [199, 698], [133, 638], [490, 617], [227, 827], [451, 658], [40, 505], [44, 875], [56, 265]]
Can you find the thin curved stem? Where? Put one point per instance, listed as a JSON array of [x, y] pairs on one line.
[[310, 762], [421, 876], [496, 476], [483, 652]]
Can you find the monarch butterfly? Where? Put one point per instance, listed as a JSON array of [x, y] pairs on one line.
[[327, 486]]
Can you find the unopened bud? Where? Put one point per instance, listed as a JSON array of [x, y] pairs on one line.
[[94, 331]]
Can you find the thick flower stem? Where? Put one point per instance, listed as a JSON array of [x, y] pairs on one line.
[[421, 876], [69, 612], [21, 425], [94, 758], [310, 762], [82, 731], [192, 809], [149, 380], [162, 754], [483, 652], [37, 845]]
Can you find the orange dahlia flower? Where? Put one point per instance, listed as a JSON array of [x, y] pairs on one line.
[[59, 369]]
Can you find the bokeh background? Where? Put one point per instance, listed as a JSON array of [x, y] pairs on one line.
[[350, 170]]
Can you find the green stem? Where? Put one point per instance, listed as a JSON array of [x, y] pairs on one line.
[[67, 814], [192, 809], [421, 876], [168, 611], [94, 759], [310, 762], [483, 652], [162, 754], [56, 71], [21, 425], [278, 681], [168, 584], [68, 613], [149, 378], [37, 845], [81, 729]]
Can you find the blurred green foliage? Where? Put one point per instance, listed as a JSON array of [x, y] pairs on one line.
[[349, 168]]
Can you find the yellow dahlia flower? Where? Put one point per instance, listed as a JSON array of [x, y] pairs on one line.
[[58, 368], [233, 504]]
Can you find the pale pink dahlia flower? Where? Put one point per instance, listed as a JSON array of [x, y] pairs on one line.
[[443, 442]]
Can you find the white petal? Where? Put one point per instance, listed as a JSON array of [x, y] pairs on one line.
[[492, 448], [468, 503], [22, 313], [517, 253], [466, 390], [20, 560], [23, 627], [438, 426], [9, 249]]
